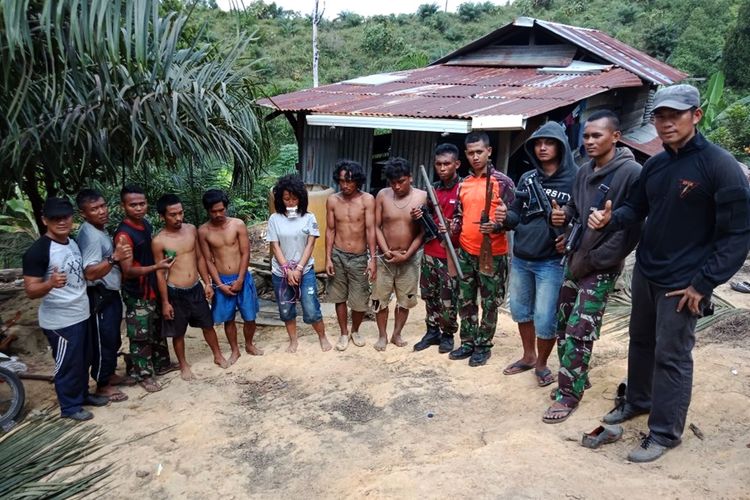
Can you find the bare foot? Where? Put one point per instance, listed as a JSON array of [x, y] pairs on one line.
[[324, 344], [380, 344], [253, 350], [234, 357], [292, 346], [398, 341], [186, 373], [219, 360]]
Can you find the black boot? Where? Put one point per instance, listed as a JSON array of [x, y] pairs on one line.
[[432, 337], [446, 343]]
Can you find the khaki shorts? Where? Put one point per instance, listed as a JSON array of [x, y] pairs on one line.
[[401, 279], [349, 284]]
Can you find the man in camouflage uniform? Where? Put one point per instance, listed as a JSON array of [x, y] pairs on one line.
[[438, 288], [149, 354], [476, 337], [595, 264]]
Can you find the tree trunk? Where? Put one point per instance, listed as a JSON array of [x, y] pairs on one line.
[[31, 188]]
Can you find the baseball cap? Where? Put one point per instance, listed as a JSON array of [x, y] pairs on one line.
[[57, 207], [680, 97]]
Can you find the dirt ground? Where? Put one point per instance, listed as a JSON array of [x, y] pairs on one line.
[[401, 424]]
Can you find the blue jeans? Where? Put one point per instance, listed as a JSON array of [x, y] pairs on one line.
[[534, 289], [307, 293]]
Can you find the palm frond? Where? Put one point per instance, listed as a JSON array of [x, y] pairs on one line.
[[48, 457]]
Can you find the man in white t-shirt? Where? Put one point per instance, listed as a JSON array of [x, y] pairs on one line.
[[53, 272]]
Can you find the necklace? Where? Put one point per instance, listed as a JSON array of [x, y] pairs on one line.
[[408, 200]]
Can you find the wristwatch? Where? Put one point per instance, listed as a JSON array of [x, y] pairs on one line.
[[112, 261]]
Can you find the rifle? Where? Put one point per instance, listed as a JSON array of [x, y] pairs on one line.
[[446, 237], [536, 197], [486, 266]]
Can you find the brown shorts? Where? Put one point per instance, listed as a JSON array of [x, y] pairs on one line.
[[399, 279], [350, 282]]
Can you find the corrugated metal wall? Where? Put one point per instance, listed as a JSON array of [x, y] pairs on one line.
[[324, 146], [418, 148]]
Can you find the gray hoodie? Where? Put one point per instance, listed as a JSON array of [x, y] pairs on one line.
[[534, 238], [601, 251]]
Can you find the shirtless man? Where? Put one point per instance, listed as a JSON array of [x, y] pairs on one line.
[[225, 244], [399, 238], [350, 236], [183, 296]]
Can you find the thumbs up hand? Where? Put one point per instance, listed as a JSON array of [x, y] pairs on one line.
[[501, 212], [57, 279], [600, 218], [557, 217]]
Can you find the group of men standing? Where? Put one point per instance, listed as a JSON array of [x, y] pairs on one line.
[[83, 284], [573, 228]]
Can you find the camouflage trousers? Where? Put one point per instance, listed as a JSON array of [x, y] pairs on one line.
[[148, 349], [440, 294], [580, 308], [492, 292]]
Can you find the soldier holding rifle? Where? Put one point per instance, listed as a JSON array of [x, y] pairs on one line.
[[483, 252], [438, 285]]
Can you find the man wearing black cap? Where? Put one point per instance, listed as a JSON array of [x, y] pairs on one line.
[[53, 272], [695, 200]]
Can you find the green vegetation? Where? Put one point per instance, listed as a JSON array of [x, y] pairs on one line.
[[131, 104]]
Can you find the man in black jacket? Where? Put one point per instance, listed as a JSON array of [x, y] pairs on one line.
[[596, 262], [696, 236], [536, 273]]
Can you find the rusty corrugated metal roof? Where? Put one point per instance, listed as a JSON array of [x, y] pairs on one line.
[[456, 92], [590, 40], [616, 52]]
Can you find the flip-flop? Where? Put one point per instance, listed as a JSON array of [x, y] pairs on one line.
[[116, 397], [560, 414], [544, 377], [173, 367], [517, 367], [150, 385], [740, 286], [126, 381]]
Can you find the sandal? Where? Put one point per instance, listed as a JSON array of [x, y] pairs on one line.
[[517, 367], [116, 397], [544, 377], [150, 385], [556, 415], [173, 367]]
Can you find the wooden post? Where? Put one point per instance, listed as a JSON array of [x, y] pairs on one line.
[[503, 151], [316, 55]]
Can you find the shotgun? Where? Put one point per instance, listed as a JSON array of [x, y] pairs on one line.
[[446, 237], [486, 266]]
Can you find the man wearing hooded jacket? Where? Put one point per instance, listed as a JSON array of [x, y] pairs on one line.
[[536, 271], [594, 266]]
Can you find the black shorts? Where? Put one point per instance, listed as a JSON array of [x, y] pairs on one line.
[[190, 308]]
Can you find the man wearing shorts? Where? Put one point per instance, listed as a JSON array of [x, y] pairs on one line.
[[183, 297], [399, 238], [536, 273], [226, 246], [350, 249]]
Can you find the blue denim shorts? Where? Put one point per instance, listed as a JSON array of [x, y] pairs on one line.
[[225, 306], [286, 298], [534, 289]]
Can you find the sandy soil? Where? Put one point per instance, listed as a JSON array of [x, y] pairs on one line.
[[401, 424]]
